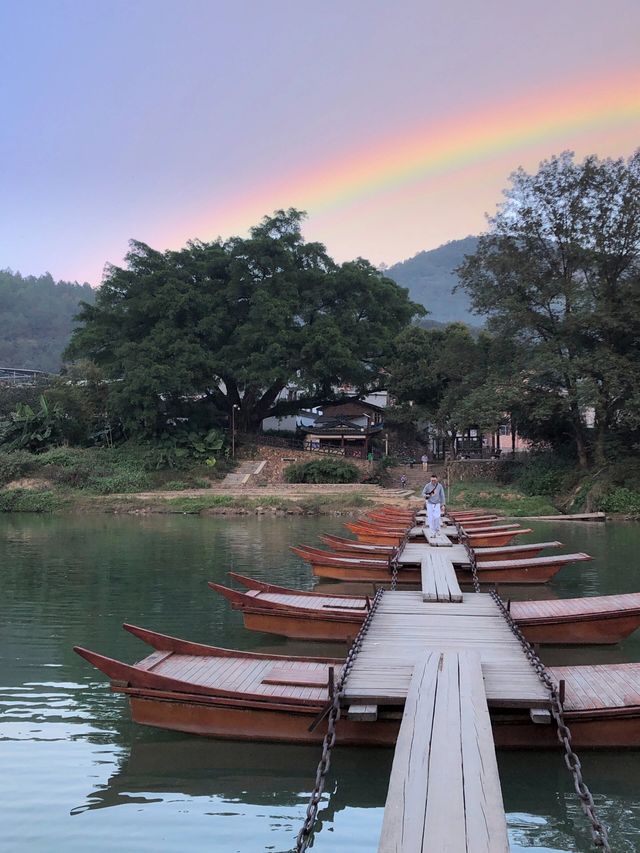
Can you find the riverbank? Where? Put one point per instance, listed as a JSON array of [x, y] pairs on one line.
[[507, 500], [281, 499]]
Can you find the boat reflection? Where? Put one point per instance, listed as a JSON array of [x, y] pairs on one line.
[[276, 775]]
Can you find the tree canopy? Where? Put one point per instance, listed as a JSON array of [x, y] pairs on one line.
[[233, 323], [559, 274]]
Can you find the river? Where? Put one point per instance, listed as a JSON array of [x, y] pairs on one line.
[[78, 775]]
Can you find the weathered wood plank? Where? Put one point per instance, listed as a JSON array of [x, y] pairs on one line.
[[439, 581], [444, 791], [366, 713]]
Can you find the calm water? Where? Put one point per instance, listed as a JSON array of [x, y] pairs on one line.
[[77, 775]]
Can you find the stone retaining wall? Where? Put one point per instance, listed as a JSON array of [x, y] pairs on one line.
[[279, 458], [474, 469]]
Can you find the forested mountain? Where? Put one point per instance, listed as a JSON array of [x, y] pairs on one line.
[[37, 317], [430, 278]]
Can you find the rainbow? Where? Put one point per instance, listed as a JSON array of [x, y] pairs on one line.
[[552, 120]]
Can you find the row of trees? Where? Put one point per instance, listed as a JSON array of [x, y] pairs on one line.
[[221, 328], [558, 278]]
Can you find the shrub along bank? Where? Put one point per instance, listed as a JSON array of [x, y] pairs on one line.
[[546, 483]]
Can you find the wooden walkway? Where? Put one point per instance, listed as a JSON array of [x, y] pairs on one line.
[[404, 628], [439, 582], [437, 540], [444, 792], [413, 552]]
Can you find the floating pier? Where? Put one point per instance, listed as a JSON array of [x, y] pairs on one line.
[[445, 657], [444, 791]]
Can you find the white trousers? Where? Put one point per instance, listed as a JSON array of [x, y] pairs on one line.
[[433, 516]]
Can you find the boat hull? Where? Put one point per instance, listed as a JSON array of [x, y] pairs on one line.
[[600, 629], [487, 540], [307, 626], [595, 730], [364, 574]]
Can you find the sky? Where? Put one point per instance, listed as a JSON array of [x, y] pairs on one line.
[[395, 125]]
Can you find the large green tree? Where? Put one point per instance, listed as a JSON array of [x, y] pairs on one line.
[[558, 272], [233, 323], [443, 374]]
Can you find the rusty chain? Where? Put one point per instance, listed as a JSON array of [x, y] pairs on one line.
[[598, 829]]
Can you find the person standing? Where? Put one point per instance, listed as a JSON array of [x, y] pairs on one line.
[[433, 493], [425, 461]]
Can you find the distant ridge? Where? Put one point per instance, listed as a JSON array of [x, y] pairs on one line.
[[430, 278], [37, 318]]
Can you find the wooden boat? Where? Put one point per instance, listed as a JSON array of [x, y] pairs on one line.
[[319, 557], [530, 570], [481, 540], [337, 618], [206, 690], [377, 538], [481, 527], [370, 527], [351, 546], [224, 693], [513, 552], [601, 619], [296, 614]]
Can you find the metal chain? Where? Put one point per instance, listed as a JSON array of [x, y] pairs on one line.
[[598, 829], [306, 833], [333, 712]]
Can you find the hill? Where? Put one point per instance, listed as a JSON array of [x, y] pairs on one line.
[[430, 278], [37, 318]]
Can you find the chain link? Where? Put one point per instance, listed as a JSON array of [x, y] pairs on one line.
[[598, 829], [306, 833]]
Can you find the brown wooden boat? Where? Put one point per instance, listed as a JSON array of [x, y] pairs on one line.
[[482, 540], [530, 570], [533, 570], [319, 557], [206, 690], [296, 614], [370, 527], [513, 552], [341, 545], [602, 619], [337, 618], [482, 527], [224, 693]]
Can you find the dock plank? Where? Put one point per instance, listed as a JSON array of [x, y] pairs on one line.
[[439, 581], [444, 791]]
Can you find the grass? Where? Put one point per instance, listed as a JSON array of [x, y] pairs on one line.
[[25, 500], [312, 505], [509, 500]]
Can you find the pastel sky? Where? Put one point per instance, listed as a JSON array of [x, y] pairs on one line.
[[394, 124]]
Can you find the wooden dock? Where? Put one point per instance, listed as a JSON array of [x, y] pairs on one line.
[[445, 657], [444, 792], [405, 627]]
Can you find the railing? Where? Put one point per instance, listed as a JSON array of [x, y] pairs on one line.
[[300, 444]]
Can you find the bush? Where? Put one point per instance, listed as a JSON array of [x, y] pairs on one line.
[[120, 481], [322, 471], [14, 464], [544, 474], [620, 499], [23, 500]]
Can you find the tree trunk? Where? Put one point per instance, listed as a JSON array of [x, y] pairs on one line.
[[601, 432], [581, 446]]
